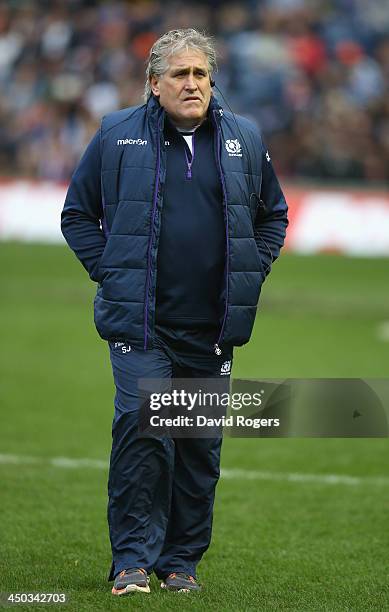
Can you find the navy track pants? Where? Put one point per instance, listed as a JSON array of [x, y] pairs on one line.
[[161, 491]]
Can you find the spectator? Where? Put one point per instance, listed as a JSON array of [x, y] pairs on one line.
[[320, 92]]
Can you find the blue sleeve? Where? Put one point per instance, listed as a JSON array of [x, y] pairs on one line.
[[82, 214], [272, 217]]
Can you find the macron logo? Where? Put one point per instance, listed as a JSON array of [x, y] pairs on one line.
[[131, 141]]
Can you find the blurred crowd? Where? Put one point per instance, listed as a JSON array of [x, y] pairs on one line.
[[314, 74]]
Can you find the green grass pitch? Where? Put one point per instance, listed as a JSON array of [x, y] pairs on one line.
[[277, 545]]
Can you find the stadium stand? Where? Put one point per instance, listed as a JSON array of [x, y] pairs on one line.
[[313, 74]]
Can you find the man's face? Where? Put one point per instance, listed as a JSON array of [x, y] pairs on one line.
[[184, 90]]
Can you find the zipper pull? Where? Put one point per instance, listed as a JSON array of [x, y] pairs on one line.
[[189, 174], [218, 350]]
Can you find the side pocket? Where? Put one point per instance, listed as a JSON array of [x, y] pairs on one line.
[[261, 269]]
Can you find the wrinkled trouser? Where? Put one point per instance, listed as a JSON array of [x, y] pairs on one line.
[[161, 490]]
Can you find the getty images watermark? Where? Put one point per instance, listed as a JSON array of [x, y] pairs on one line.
[[190, 408], [189, 401], [201, 408]]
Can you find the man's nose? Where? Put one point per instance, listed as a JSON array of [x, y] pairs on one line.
[[190, 82]]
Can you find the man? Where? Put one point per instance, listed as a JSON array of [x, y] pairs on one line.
[[176, 213]]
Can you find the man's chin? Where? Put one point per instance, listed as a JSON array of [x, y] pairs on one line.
[[195, 115], [190, 118]]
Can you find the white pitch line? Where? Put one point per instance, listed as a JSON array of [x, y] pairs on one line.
[[329, 479], [66, 462], [383, 331], [61, 462], [228, 474]]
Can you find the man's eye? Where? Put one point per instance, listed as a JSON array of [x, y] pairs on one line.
[[183, 74]]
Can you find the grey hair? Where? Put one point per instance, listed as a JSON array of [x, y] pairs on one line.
[[172, 42]]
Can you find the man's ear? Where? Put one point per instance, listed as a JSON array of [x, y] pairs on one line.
[[154, 84]]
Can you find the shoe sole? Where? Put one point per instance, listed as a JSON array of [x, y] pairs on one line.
[[178, 590], [130, 590]]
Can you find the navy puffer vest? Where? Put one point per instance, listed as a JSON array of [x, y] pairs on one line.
[[133, 169]]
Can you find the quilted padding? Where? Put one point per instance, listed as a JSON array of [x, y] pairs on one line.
[[115, 229]]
